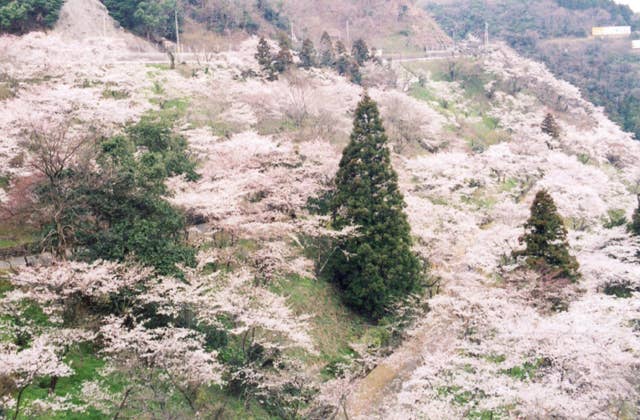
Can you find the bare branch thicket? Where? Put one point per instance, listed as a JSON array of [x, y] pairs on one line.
[[298, 99], [62, 160]]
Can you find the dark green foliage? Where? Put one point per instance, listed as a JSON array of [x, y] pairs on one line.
[[327, 54], [266, 59], [635, 220], [620, 288], [550, 126], [118, 209], [273, 16], [263, 55], [150, 18], [307, 54], [376, 267], [360, 51], [547, 248], [21, 16], [272, 65], [132, 215]]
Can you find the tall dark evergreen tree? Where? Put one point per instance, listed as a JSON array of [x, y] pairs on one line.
[[360, 51], [263, 55], [327, 53], [550, 126], [307, 54], [547, 248], [377, 266]]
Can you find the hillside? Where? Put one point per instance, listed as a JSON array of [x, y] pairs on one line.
[[557, 33], [253, 329], [395, 27]]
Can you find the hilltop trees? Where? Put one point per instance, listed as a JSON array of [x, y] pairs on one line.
[[149, 18], [272, 65], [550, 126], [327, 53], [360, 51], [307, 54], [376, 267], [263, 55], [547, 248], [20, 16]]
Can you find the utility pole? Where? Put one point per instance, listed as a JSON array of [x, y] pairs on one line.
[[348, 36], [293, 34], [486, 34]]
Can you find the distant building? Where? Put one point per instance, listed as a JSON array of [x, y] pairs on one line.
[[608, 31], [635, 44]]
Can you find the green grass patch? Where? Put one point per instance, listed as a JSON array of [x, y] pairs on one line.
[[479, 200], [527, 370], [333, 325], [157, 88], [85, 365], [170, 109], [159, 66], [232, 407], [615, 218], [495, 358], [422, 93], [5, 181], [269, 126], [457, 395], [14, 235], [438, 201], [509, 184], [116, 94]]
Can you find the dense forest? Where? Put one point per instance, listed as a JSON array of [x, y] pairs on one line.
[[20, 16], [555, 32], [156, 19]]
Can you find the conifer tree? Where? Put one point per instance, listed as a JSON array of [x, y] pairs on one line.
[[327, 54], [550, 126], [635, 220], [307, 54], [263, 55], [377, 266], [360, 51], [547, 248]]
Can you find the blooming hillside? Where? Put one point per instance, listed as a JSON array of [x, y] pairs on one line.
[[466, 140]]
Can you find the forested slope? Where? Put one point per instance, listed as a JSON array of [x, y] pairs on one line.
[[558, 33]]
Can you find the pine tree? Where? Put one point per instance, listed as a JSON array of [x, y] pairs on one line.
[[550, 126], [263, 55], [327, 54], [360, 51], [547, 248], [635, 221], [376, 267], [307, 54]]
